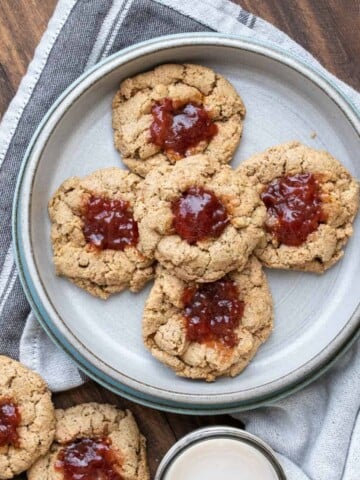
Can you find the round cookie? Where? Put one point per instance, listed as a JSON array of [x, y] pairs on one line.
[[210, 258], [183, 84], [93, 421], [339, 193], [100, 272], [165, 331], [23, 390]]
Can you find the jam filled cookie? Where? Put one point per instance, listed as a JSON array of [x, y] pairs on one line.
[[175, 111], [94, 234], [94, 441], [27, 418], [208, 330], [311, 202], [199, 218]]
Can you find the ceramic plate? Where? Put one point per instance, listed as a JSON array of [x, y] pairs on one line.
[[316, 317]]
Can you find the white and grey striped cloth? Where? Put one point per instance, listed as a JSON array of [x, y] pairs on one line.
[[316, 431]]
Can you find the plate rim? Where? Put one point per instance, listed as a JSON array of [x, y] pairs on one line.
[[85, 364]]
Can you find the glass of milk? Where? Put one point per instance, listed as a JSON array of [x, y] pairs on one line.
[[220, 453]]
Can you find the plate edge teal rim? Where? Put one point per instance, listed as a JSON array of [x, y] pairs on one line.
[[24, 280], [177, 407]]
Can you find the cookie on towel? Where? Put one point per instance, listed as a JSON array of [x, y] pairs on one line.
[[96, 438], [27, 418]]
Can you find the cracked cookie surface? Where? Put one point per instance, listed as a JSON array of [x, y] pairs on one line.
[[164, 329], [101, 272], [94, 420], [211, 258], [136, 96], [37, 418], [340, 193]]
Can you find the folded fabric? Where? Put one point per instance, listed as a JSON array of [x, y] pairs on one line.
[[316, 431]]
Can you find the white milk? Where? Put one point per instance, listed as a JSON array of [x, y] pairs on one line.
[[221, 459]]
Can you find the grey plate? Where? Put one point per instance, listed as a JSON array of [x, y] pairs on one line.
[[315, 316]]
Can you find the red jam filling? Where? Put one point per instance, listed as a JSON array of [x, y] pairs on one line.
[[213, 312], [10, 419], [198, 214], [294, 207], [88, 459], [109, 223], [178, 129]]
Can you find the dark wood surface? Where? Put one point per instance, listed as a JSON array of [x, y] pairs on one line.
[[329, 29]]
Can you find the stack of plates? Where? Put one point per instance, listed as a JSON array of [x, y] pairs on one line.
[[316, 317]]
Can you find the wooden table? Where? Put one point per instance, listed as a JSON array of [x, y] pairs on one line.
[[327, 28]]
